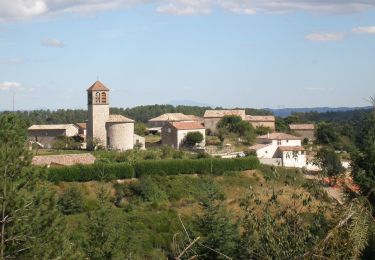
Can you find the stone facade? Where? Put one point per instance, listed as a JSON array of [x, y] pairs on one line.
[[113, 132], [175, 133], [46, 135]]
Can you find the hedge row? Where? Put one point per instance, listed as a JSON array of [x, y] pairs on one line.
[[113, 171], [93, 172], [201, 166]]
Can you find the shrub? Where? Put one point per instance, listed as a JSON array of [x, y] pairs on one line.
[[193, 138], [94, 172], [71, 201]]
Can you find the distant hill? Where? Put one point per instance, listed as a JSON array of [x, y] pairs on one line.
[[282, 112]]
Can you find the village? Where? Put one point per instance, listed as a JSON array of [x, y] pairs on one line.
[[116, 132]]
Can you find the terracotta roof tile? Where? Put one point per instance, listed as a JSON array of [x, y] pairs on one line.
[[279, 136], [171, 117], [82, 125], [260, 118], [119, 119], [187, 125], [98, 86], [291, 148], [222, 113], [302, 127], [51, 127], [256, 147]]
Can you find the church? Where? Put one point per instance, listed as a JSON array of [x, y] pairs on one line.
[[112, 132]]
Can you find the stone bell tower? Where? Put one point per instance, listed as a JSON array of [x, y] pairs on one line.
[[98, 114]]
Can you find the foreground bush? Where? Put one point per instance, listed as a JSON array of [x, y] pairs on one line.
[[94, 172]]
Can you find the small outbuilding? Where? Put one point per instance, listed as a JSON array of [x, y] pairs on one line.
[[174, 134], [304, 130], [46, 135], [261, 121]]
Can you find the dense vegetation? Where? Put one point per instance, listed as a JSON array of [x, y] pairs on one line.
[[139, 113], [267, 213]]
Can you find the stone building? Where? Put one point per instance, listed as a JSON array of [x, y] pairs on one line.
[[303, 130], [174, 133], [212, 117], [261, 121], [46, 135], [114, 132]]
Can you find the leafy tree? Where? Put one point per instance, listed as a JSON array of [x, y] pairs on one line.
[[140, 129], [235, 125], [262, 130], [326, 134], [330, 164], [31, 226], [71, 201], [193, 138]]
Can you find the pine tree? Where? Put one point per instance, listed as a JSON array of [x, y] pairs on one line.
[[219, 234], [101, 241], [31, 227]]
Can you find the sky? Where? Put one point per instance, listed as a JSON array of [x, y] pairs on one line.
[[229, 53]]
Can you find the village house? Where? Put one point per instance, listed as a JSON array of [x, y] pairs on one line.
[[45, 135], [280, 149], [174, 133], [212, 117], [261, 121], [303, 130]]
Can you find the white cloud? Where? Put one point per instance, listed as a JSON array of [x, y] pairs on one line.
[[28, 9], [365, 30], [9, 85], [12, 61], [325, 37], [53, 43], [186, 7]]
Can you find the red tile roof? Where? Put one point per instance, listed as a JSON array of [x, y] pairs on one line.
[[222, 113], [279, 136], [187, 125], [82, 125], [119, 119], [260, 118], [171, 117], [98, 86], [291, 148], [256, 147]]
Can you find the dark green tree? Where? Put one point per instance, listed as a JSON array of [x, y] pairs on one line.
[[101, 236], [216, 227], [31, 226], [71, 201], [326, 134], [328, 160], [193, 138]]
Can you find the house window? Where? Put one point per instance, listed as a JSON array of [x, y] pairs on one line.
[[104, 98], [278, 142], [287, 141], [97, 98]]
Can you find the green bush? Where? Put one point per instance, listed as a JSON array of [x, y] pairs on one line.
[[71, 201], [114, 171], [198, 166], [94, 172]]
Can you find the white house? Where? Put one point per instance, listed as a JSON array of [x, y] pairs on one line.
[[174, 133], [280, 148]]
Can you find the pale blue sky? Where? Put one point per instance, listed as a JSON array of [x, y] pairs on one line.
[[219, 52]]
